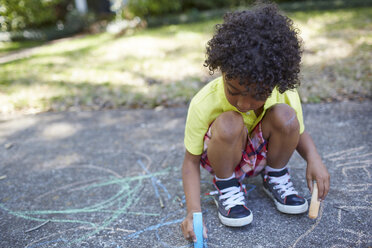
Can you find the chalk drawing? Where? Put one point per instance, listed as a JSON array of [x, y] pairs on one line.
[[116, 205], [40, 242], [350, 208], [311, 228], [67, 186], [126, 196], [343, 154], [367, 198], [354, 159], [358, 239], [359, 187], [165, 222], [355, 207], [155, 182], [354, 162], [339, 216], [364, 167]]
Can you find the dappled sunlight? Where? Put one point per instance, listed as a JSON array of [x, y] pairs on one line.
[[319, 19], [76, 76], [338, 78], [337, 61], [59, 130], [142, 56], [319, 51], [185, 35], [143, 48], [327, 18], [30, 99], [75, 44], [322, 40], [173, 70], [10, 128], [164, 66], [59, 162], [331, 33]]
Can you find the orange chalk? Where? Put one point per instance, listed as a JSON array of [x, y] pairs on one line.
[[315, 203]]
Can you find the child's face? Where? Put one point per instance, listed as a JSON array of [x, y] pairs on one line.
[[238, 96]]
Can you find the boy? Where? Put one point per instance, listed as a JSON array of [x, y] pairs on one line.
[[249, 121]]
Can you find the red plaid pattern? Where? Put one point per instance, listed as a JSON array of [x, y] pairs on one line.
[[253, 157]]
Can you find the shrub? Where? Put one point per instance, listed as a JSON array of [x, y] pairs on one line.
[[144, 8], [24, 14]]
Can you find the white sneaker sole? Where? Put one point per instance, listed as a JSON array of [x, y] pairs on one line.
[[285, 208], [232, 221]]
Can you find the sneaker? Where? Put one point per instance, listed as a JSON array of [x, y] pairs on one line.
[[231, 203], [279, 187]]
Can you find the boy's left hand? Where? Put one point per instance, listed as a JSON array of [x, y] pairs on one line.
[[317, 171]]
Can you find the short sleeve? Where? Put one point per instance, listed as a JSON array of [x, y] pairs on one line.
[[293, 99], [195, 130]]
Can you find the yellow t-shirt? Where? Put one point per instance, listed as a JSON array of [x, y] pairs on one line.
[[211, 101]]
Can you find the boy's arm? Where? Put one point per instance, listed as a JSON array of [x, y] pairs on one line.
[[191, 187], [315, 170]]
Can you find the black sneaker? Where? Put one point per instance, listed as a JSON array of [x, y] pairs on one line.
[[231, 203], [279, 187]]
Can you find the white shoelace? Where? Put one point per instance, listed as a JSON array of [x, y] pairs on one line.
[[284, 185], [233, 195]]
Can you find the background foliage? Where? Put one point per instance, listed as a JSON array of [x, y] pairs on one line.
[[162, 66], [18, 15], [147, 8]]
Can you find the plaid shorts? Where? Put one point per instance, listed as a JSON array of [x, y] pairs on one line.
[[253, 156]]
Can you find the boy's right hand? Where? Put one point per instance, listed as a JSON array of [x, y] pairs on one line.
[[188, 229]]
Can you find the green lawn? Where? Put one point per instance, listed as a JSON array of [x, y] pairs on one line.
[[7, 47], [164, 66]]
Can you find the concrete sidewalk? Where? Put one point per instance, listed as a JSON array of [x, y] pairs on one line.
[[100, 179]]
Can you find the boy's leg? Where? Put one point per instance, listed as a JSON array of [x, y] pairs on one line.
[[280, 128], [228, 138]]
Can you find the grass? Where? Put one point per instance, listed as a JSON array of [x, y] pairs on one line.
[[337, 58], [7, 47], [164, 66]]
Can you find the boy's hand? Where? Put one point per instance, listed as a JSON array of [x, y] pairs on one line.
[[317, 171], [188, 229]]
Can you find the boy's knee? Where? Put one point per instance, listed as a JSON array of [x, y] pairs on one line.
[[283, 118], [228, 127]]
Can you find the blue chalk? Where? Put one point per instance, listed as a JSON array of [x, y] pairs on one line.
[[198, 229]]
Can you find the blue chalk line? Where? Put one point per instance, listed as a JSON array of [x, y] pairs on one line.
[[151, 228], [154, 181]]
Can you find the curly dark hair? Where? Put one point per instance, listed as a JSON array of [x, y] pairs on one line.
[[259, 47]]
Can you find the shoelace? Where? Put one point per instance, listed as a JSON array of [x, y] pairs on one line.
[[283, 184], [233, 195]]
